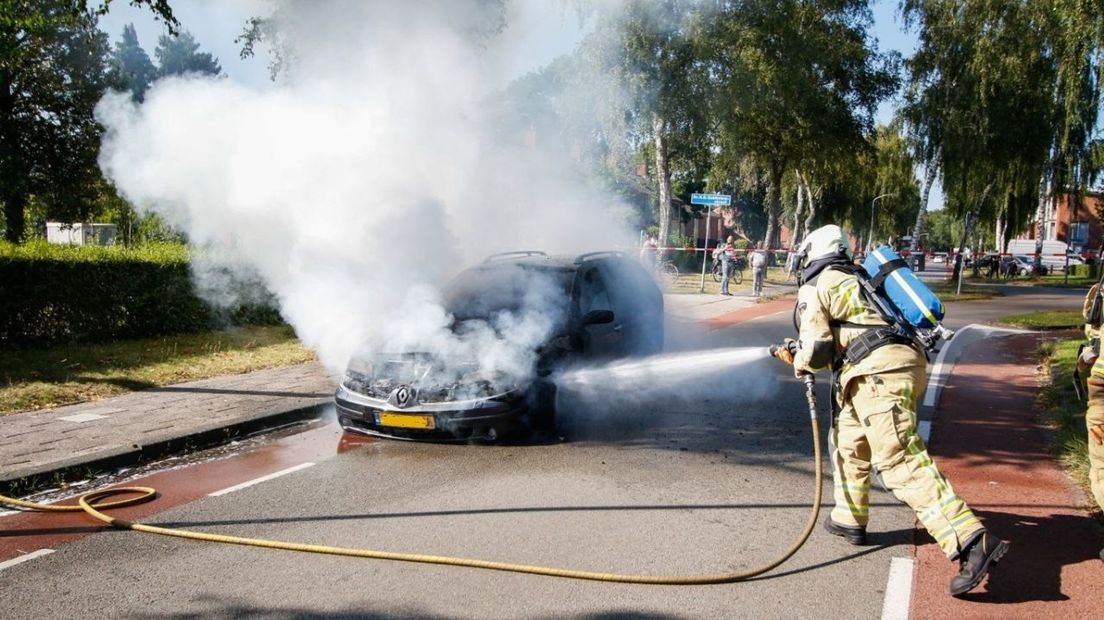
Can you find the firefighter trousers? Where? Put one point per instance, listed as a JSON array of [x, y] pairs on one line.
[[1093, 416], [877, 426]]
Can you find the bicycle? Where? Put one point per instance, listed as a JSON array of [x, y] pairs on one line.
[[668, 271], [737, 275]]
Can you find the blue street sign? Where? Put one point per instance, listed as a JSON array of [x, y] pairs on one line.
[[713, 200]]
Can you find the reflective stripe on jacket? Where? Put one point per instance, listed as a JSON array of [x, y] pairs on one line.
[[836, 297]]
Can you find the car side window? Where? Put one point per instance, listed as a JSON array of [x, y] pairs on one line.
[[593, 294]]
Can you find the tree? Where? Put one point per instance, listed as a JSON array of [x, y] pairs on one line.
[[129, 67], [648, 49], [1074, 38], [797, 84], [1008, 95], [980, 101], [52, 74], [940, 231], [180, 55], [893, 176]]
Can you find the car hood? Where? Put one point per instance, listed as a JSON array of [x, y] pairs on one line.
[[413, 379]]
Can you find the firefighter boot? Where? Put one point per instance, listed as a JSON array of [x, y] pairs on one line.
[[856, 535], [976, 558]]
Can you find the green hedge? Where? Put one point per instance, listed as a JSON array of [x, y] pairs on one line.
[[1085, 271], [53, 294]]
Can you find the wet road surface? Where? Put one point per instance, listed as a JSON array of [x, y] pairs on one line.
[[711, 474]]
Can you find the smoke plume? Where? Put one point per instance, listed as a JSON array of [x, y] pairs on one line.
[[367, 177]]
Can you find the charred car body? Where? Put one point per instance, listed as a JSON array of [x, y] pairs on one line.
[[596, 306]]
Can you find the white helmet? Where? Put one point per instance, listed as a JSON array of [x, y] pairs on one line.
[[825, 242]]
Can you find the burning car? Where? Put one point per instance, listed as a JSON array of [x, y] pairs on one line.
[[591, 307]]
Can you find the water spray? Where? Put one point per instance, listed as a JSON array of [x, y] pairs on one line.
[[95, 502]]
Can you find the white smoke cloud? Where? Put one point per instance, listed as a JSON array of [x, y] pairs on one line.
[[357, 186]]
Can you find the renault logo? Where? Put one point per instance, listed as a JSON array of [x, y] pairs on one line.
[[402, 396]]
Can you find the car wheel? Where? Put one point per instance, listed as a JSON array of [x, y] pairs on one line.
[[542, 407]]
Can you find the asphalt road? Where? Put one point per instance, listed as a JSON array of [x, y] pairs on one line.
[[700, 466]]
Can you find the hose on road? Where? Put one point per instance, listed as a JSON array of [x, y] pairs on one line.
[[94, 503]]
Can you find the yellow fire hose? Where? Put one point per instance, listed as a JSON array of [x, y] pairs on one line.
[[92, 503]]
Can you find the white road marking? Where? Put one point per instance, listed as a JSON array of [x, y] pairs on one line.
[[25, 558], [937, 371], [272, 476], [898, 590]]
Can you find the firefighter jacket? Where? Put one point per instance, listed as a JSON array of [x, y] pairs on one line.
[[834, 311], [1086, 309]]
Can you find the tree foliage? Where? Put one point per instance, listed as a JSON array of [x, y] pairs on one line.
[[130, 67], [52, 74], [649, 50], [180, 55], [1003, 96], [797, 85]]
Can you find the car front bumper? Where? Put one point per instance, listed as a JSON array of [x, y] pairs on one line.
[[471, 420]]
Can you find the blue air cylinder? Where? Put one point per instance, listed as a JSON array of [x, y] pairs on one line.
[[917, 304]]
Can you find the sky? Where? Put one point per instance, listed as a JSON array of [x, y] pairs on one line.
[[548, 34]]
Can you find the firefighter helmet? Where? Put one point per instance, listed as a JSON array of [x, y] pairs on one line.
[[825, 242]]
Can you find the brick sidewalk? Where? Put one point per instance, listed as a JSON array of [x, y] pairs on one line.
[[40, 443], [988, 442]]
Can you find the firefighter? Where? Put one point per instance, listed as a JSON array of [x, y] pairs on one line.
[[879, 379], [1094, 415]]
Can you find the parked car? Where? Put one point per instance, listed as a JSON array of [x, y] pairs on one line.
[[1024, 266], [609, 308]]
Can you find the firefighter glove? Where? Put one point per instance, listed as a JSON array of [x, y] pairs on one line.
[[1096, 431], [785, 351], [1086, 359]]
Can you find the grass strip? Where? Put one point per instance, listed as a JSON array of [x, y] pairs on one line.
[[948, 291], [1046, 319], [34, 379], [1061, 409]]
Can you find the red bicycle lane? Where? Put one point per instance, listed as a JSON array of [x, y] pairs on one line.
[[988, 441]]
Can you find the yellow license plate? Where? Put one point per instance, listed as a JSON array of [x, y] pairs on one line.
[[406, 420]]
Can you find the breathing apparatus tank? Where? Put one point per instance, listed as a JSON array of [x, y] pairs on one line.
[[903, 299]]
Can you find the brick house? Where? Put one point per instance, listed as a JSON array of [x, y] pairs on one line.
[[1079, 226]]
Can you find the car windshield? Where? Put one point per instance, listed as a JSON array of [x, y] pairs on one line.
[[485, 293]]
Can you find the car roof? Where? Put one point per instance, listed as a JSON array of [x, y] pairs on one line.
[[540, 260]]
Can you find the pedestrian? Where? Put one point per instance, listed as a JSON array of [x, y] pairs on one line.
[[1094, 415], [994, 266], [879, 379], [726, 256], [758, 261]]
